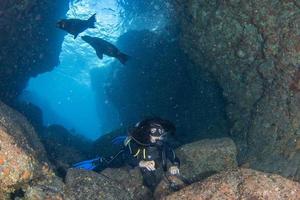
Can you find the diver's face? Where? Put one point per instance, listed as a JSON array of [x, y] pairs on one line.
[[159, 135], [154, 139]]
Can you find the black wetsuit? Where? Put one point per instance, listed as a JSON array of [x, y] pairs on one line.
[[161, 154]]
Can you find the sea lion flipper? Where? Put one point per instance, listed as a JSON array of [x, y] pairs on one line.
[[75, 35], [123, 58], [91, 21], [99, 54]]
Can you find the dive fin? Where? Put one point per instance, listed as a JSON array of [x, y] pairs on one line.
[[88, 164], [123, 58], [119, 140], [92, 21]]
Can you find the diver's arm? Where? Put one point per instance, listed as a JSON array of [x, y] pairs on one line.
[[171, 155]]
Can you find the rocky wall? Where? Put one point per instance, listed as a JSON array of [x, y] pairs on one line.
[[30, 43], [154, 82], [253, 50]]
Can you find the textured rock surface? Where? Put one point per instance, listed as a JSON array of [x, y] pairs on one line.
[[30, 43], [131, 179], [205, 157], [51, 188], [252, 49], [168, 186], [240, 184], [81, 184], [22, 156]]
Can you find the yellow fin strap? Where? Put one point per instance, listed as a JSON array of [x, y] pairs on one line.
[[137, 153], [144, 153]]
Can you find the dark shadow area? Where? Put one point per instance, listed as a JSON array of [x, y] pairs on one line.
[[155, 82], [64, 148]]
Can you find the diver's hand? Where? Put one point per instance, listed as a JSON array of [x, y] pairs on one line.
[[150, 165], [174, 170]]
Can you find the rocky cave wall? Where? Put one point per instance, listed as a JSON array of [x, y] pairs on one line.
[[253, 49], [155, 82], [30, 43]]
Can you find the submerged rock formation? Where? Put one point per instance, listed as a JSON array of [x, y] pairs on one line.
[[47, 188], [252, 49], [240, 184], [22, 156], [206, 157], [30, 43], [25, 172], [83, 184], [132, 181]]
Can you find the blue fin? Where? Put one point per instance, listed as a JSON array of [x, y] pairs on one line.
[[119, 140], [88, 164]]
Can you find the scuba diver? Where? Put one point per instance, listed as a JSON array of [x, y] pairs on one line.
[[146, 147]]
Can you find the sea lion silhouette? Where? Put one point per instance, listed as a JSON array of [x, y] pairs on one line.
[[76, 26], [103, 47]]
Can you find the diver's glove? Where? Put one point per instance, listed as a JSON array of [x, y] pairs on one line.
[[174, 170], [149, 165]]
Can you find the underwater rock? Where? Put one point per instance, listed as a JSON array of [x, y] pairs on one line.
[[81, 184], [22, 156], [51, 188], [30, 42], [240, 184], [131, 179], [206, 157], [64, 148], [32, 113], [168, 186], [252, 49]]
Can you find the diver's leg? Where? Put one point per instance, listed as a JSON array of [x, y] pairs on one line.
[[149, 179]]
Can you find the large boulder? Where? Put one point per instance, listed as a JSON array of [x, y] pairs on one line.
[[22, 156], [81, 184], [240, 184], [51, 188], [131, 179], [205, 157]]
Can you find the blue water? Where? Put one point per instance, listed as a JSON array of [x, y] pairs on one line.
[[65, 94]]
